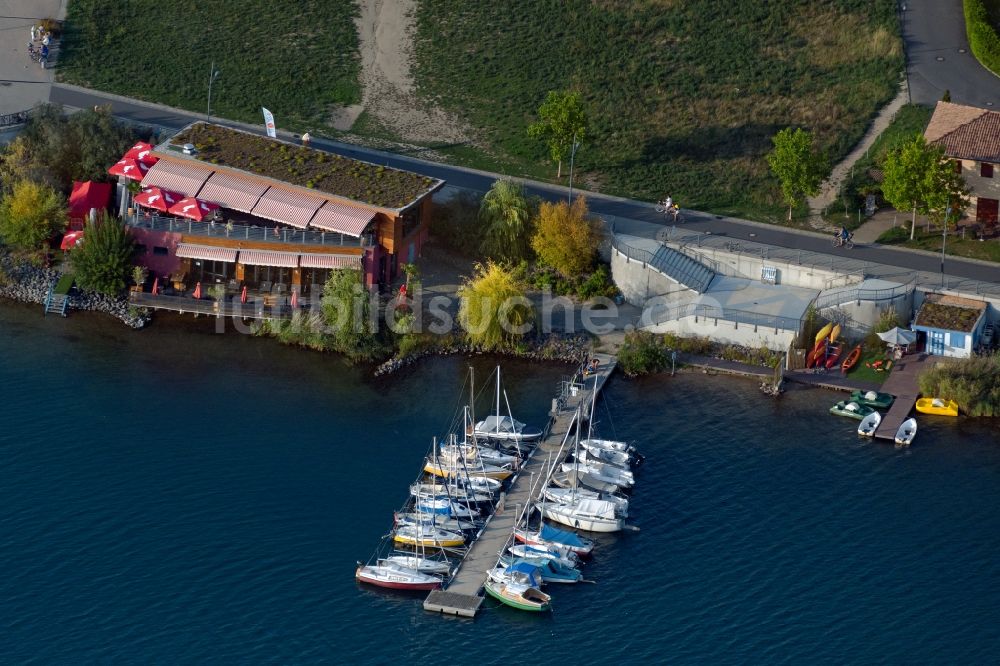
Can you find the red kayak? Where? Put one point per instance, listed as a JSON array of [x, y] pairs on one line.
[[834, 356], [851, 360], [812, 358]]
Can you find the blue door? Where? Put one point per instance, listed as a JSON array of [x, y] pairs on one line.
[[936, 342]]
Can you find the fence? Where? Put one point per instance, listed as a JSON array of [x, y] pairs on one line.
[[848, 294], [251, 233]]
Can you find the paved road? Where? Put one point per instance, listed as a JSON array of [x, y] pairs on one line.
[[632, 217], [938, 56]]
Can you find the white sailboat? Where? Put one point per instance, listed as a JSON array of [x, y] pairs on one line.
[[602, 472], [504, 428], [569, 495]]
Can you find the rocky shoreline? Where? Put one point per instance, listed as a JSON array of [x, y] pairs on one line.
[[23, 282], [555, 347]]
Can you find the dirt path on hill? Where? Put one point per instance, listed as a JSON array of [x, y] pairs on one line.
[[830, 187], [385, 30]]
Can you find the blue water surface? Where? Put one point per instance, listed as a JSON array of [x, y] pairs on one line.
[[176, 496]]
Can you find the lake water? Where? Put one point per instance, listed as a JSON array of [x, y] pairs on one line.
[[174, 496]]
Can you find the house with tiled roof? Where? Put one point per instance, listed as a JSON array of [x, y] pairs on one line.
[[971, 137]]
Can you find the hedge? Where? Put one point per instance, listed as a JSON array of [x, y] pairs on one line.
[[983, 38]]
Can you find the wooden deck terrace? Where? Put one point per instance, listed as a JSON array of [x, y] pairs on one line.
[[902, 383], [256, 308], [462, 596]]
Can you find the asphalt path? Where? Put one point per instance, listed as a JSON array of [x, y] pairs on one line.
[[632, 217], [938, 56]]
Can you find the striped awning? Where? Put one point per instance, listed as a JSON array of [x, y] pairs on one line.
[[232, 191], [206, 252], [269, 258], [180, 177], [292, 208], [342, 218], [330, 261]]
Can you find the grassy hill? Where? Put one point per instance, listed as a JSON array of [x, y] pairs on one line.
[[683, 95], [296, 57]]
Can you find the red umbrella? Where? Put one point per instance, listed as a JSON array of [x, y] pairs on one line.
[[197, 290], [156, 286], [142, 152], [295, 298], [196, 209], [71, 240], [130, 168], [156, 198], [243, 296]]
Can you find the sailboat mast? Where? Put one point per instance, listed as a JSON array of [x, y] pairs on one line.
[[498, 401]]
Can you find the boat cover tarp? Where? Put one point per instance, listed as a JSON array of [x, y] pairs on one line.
[[557, 535], [524, 573], [599, 508], [501, 424]]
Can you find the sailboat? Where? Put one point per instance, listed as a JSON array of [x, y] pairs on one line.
[[396, 576], [550, 552], [549, 571], [592, 515], [568, 495], [427, 536], [547, 535], [504, 427]]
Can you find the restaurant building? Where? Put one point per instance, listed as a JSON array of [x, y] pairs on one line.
[[283, 215]]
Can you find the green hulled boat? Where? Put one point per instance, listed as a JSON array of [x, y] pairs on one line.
[[873, 399], [516, 595], [851, 409]]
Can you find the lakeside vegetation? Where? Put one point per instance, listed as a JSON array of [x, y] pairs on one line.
[[682, 98], [974, 383], [296, 57]]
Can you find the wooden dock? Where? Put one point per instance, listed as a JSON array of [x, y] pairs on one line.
[[902, 383], [462, 597]]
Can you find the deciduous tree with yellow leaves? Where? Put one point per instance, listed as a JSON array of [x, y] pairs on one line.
[[565, 237]]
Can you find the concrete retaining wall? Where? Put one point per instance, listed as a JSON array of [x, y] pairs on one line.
[[727, 332], [638, 283], [737, 264]]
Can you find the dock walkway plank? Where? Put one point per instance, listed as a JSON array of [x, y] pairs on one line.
[[902, 383]]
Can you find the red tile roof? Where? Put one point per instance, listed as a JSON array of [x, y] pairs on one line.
[[965, 132]]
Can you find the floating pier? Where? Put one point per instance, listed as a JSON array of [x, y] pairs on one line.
[[463, 594], [902, 383]]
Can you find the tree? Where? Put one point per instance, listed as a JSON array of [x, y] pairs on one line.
[[506, 215], [917, 177], [346, 308], [494, 310], [103, 261], [565, 237], [562, 121], [796, 164], [30, 215]]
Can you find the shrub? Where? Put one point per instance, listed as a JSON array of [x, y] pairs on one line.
[[642, 353], [598, 283], [565, 237], [974, 383], [104, 258], [30, 215], [347, 315], [494, 311]]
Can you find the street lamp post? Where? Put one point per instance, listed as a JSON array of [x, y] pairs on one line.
[[944, 239], [212, 75], [572, 156]]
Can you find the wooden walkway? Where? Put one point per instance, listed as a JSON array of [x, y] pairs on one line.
[[463, 594], [902, 383], [232, 307]]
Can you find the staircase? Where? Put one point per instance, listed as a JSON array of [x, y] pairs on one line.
[[56, 303], [682, 269]]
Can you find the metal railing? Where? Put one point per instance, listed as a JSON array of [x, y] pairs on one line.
[[675, 265], [249, 233], [838, 296]]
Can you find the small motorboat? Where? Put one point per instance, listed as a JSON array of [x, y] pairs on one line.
[[851, 360], [851, 409], [869, 424], [516, 595], [395, 576], [907, 431], [938, 406], [873, 399]]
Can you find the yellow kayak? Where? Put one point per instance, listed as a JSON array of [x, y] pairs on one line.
[[823, 332], [834, 333], [937, 406]]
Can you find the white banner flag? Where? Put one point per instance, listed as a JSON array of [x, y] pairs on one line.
[[269, 123]]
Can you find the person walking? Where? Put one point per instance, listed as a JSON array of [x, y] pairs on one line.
[[32, 33]]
